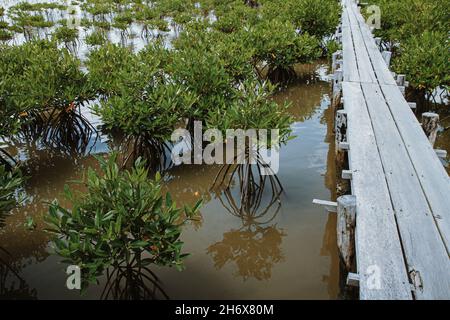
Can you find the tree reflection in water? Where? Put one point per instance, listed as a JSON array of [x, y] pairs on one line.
[[12, 285], [255, 247]]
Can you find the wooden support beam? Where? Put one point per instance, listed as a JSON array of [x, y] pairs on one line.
[[340, 127], [442, 154], [401, 80], [337, 79], [353, 279], [378, 41], [344, 146], [347, 174], [412, 105], [430, 124], [346, 222], [387, 57], [330, 206]]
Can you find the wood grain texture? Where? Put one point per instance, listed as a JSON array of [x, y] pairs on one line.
[[377, 240], [401, 187]]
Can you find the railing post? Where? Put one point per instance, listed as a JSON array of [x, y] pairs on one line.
[[346, 223], [387, 57], [430, 124], [337, 79]]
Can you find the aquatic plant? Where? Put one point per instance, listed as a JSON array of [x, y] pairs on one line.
[[121, 222], [137, 97], [425, 61], [10, 181], [280, 47], [67, 36], [315, 17], [96, 38], [253, 109], [403, 19], [39, 76], [416, 32]]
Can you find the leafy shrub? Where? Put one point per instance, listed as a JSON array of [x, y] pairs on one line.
[[122, 220], [424, 58], [416, 31], [10, 180], [402, 19], [96, 38], [204, 73], [253, 109], [140, 99], [38, 76], [277, 44], [107, 66], [331, 46], [65, 34], [315, 17]]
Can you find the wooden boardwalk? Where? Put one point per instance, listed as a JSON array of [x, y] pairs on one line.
[[402, 191]]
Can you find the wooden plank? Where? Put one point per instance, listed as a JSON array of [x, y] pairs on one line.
[[383, 74], [432, 175], [378, 248], [365, 68], [425, 253], [349, 57], [345, 22]]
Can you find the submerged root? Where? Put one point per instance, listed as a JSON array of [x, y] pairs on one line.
[[153, 151], [281, 75], [66, 131], [252, 185], [132, 283]]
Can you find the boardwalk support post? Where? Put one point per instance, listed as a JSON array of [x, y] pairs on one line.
[[430, 124], [353, 279], [347, 174], [346, 222], [334, 58], [442, 154], [340, 130], [401, 80], [387, 57], [378, 42]]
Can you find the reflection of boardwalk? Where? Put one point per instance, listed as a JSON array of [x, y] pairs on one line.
[[401, 188]]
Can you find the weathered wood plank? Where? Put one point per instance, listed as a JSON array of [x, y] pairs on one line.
[[410, 175], [432, 175], [378, 248], [383, 74], [365, 68], [346, 222], [349, 57], [425, 253]]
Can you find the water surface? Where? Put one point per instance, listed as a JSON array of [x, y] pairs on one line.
[[287, 253]]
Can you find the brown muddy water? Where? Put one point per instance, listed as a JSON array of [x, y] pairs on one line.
[[289, 252]]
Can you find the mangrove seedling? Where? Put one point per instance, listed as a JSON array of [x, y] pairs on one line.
[[122, 221]]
